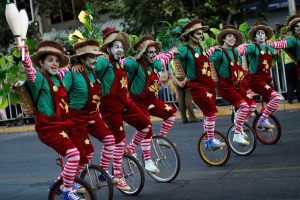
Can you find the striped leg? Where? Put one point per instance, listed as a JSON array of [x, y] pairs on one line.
[[107, 151], [272, 105], [82, 166], [167, 125], [241, 116], [209, 125], [252, 108], [146, 148], [70, 168], [117, 157], [138, 136]]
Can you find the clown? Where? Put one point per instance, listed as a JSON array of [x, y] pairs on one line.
[[50, 96], [144, 85], [231, 78], [84, 91], [194, 61]]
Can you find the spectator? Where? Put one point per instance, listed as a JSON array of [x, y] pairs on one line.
[[184, 95]]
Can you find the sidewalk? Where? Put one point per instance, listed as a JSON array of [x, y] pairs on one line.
[[223, 111]]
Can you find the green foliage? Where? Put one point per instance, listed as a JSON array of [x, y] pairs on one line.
[[244, 30], [10, 73]]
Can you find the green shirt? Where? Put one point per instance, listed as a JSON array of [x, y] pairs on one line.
[[77, 88], [137, 75], [106, 78], [294, 46], [187, 61], [222, 64], [253, 54], [45, 105]]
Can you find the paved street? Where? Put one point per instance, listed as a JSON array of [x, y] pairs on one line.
[[271, 172]]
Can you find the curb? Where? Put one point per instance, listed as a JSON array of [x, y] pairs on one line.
[[222, 111]]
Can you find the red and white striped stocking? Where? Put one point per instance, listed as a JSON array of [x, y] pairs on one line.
[[241, 116], [167, 125], [117, 157], [272, 105], [209, 125], [70, 168], [146, 148], [107, 151], [138, 136]]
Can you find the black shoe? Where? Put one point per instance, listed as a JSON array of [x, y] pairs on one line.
[[185, 121]]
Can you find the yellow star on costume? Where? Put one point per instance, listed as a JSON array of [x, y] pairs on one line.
[[87, 141], [121, 128], [204, 71], [267, 86], [266, 64], [249, 96], [205, 65], [168, 107], [154, 88], [123, 82], [64, 134], [209, 94]]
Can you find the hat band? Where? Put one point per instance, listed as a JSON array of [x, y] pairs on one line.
[[110, 37], [51, 49], [87, 49]]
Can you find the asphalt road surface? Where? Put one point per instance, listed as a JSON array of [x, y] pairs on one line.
[[271, 172]]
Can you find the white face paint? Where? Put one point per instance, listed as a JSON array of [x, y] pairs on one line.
[[89, 60], [50, 64], [229, 40], [260, 36], [297, 28], [116, 50], [150, 54]]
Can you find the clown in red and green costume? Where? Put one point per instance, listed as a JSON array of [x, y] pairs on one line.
[[231, 79], [195, 63], [144, 86], [84, 91], [116, 105], [51, 99], [260, 55], [292, 46]]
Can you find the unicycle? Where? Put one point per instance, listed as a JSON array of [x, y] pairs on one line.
[[214, 156], [240, 149], [99, 181], [267, 135], [133, 173], [166, 157]]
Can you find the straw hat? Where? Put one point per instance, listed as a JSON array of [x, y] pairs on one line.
[[142, 45], [260, 26], [110, 34], [292, 21], [192, 26], [87, 47], [230, 29], [50, 47]]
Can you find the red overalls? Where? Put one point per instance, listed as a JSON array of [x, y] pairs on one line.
[[149, 97], [203, 89], [233, 90], [117, 107], [261, 81], [91, 111], [55, 131]]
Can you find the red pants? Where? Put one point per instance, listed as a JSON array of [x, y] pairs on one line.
[[98, 130], [204, 97], [235, 95], [115, 110], [261, 87], [56, 134]]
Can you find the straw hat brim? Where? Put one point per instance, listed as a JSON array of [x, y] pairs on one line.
[[120, 36], [238, 35], [63, 59], [292, 23], [145, 45], [267, 29], [194, 28]]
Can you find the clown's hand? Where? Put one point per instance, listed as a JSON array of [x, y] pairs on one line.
[[77, 68], [175, 50]]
